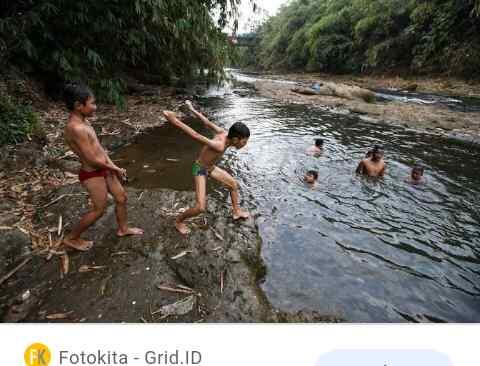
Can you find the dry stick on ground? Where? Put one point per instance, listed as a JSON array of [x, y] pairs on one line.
[[13, 271], [170, 289], [221, 281], [60, 225], [62, 196]]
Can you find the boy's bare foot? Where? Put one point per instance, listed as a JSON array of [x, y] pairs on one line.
[[130, 231], [181, 227], [78, 244], [237, 215]]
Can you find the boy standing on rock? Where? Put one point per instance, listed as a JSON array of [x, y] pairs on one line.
[[98, 174], [213, 150]]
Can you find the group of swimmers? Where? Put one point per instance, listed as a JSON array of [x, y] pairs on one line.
[[373, 165], [100, 176]]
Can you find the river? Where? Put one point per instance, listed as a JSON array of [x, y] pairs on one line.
[[365, 250]]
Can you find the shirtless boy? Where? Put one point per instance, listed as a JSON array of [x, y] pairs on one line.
[[98, 174], [373, 166], [316, 149], [212, 151]]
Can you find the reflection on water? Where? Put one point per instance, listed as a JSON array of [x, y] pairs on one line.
[[366, 250]]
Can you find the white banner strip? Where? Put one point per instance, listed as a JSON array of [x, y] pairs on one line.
[[239, 345]]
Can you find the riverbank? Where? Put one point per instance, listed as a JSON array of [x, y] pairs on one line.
[[439, 85], [212, 275], [463, 126]]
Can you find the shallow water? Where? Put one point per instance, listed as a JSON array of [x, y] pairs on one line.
[[370, 251], [452, 102], [455, 103]]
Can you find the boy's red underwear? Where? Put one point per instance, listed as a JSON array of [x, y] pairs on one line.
[[83, 175]]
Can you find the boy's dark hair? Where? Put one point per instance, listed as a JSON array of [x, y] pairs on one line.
[[418, 168], [75, 92], [239, 130], [313, 173], [377, 149], [318, 142]]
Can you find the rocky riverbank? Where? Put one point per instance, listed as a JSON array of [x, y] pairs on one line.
[[464, 126]]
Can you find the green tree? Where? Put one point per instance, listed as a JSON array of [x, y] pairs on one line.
[[418, 36], [102, 41]]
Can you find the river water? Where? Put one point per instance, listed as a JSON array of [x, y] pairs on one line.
[[365, 250]]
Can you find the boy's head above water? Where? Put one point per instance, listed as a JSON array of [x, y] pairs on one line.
[[79, 98], [311, 177], [417, 173], [376, 153], [319, 143], [238, 134]]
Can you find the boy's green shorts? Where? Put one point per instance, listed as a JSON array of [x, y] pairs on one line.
[[198, 170]]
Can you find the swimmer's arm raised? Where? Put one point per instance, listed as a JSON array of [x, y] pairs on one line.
[[215, 145], [204, 119]]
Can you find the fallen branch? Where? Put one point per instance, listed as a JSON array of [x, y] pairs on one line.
[[88, 268], [60, 225], [171, 289], [180, 255], [13, 271], [58, 316], [217, 235], [61, 197], [221, 282]]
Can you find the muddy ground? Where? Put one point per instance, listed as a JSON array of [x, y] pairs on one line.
[[463, 126], [218, 266], [213, 275]]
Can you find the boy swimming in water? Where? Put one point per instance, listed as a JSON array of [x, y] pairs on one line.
[[416, 176], [311, 178], [373, 166], [316, 149], [98, 174], [212, 151]]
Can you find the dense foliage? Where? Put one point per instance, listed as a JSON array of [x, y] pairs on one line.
[[17, 121], [419, 36], [102, 41]]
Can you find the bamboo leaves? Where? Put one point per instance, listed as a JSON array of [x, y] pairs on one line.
[[103, 40]]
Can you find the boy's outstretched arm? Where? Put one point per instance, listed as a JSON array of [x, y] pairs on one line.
[[204, 119], [171, 117]]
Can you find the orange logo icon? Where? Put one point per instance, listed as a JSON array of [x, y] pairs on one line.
[[37, 355]]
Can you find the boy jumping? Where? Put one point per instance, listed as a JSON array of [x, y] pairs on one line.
[[98, 174], [213, 149]]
